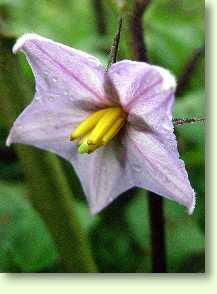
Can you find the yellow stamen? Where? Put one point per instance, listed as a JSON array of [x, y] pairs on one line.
[[84, 147], [98, 129], [88, 124], [113, 130], [103, 125]]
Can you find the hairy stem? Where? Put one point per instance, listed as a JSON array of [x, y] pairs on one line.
[[184, 121], [115, 45]]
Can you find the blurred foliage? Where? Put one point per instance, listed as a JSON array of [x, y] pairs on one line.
[[174, 30], [120, 235], [25, 242], [183, 237]]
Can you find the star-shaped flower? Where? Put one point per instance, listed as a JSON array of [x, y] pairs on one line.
[[120, 122]]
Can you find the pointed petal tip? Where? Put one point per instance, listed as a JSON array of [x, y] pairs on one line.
[[98, 207], [94, 210], [8, 141], [12, 136], [193, 203], [169, 80], [23, 39]]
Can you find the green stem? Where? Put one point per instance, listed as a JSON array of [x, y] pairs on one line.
[[48, 189]]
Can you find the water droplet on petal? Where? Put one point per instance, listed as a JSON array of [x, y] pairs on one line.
[[51, 98], [54, 79], [19, 126], [65, 93], [136, 167], [37, 98]]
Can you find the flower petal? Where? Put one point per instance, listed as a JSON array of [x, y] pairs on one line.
[[104, 175], [146, 91], [69, 83], [47, 124], [61, 70], [156, 166]]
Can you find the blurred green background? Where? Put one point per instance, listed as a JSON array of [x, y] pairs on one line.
[[119, 237]]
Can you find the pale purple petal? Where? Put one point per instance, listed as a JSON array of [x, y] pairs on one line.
[[47, 124], [69, 84], [156, 166], [64, 71], [104, 175], [146, 91]]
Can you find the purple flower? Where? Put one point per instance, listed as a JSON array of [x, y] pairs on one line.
[[119, 121]]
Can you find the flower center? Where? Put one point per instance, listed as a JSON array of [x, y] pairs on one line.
[[98, 129]]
